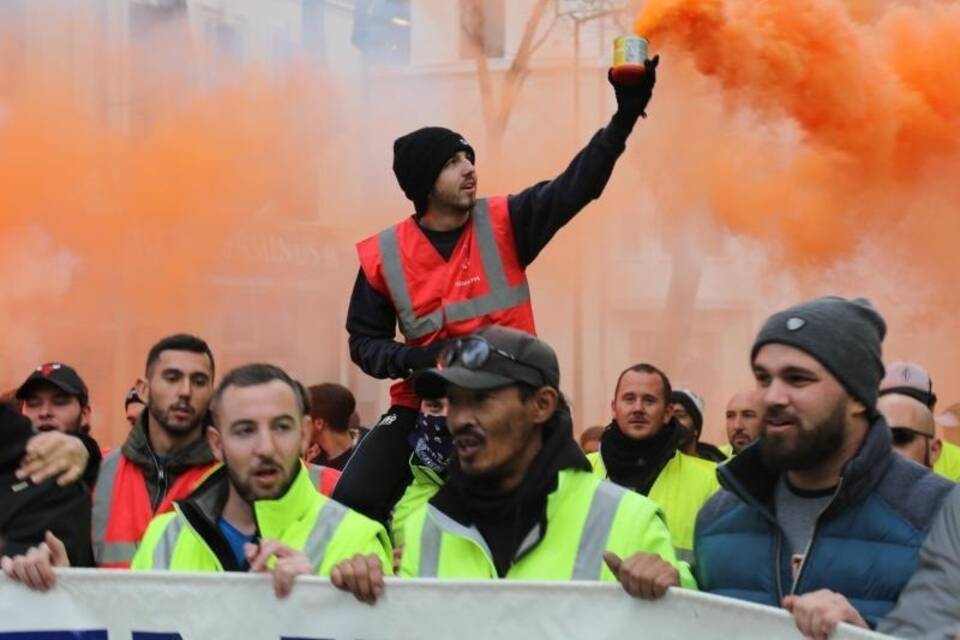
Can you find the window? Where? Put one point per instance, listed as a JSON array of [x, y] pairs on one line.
[[381, 30]]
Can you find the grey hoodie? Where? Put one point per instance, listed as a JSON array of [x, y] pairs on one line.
[[929, 606]]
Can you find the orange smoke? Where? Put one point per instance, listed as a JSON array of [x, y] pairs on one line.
[[874, 104], [829, 134], [119, 216]]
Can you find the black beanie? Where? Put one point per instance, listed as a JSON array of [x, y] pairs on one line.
[[419, 156], [844, 335]]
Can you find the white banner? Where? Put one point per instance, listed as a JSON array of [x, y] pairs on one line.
[[89, 604]]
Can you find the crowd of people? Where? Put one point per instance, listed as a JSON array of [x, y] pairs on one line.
[[833, 498]]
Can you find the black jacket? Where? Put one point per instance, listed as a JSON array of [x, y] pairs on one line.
[[28, 510], [536, 214]]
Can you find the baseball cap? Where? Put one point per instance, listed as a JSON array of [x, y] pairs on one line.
[[492, 358], [60, 375], [909, 379]]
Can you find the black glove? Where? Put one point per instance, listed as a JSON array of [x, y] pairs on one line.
[[632, 99], [424, 357]]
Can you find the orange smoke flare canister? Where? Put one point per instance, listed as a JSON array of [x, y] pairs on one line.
[[629, 56]]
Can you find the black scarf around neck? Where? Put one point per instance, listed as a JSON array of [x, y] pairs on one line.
[[635, 464], [505, 520]]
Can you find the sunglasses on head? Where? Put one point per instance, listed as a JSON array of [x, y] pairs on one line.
[[474, 352]]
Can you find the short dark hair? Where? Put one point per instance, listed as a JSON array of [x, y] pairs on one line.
[[527, 391], [252, 375], [334, 404], [643, 367], [179, 342], [591, 433]]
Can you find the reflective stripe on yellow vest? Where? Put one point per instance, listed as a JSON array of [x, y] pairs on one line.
[[326, 531], [682, 488], [330, 517], [589, 553]]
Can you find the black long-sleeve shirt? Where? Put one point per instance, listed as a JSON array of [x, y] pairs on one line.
[[536, 214]]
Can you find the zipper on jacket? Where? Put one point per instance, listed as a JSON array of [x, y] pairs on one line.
[[161, 482], [813, 536]]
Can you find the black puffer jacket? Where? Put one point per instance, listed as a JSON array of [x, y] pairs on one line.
[[28, 510]]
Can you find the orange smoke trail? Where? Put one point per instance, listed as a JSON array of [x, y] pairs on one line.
[[873, 103], [121, 224]]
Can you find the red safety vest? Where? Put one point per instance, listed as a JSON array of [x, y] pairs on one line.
[[122, 509], [483, 283], [323, 478]]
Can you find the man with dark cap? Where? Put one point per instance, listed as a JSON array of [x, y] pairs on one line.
[[821, 517], [913, 380], [456, 265], [519, 501], [912, 427], [55, 399], [688, 412], [31, 511]]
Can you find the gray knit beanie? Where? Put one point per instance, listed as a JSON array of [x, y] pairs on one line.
[[844, 335]]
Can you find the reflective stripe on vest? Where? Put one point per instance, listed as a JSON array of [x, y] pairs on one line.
[[596, 531], [501, 296], [323, 478], [163, 552], [588, 564], [107, 552], [434, 525], [331, 515]]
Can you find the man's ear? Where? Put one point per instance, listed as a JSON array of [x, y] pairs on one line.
[[85, 415], [936, 448], [856, 409], [215, 441], [143, 389], [543, 404]]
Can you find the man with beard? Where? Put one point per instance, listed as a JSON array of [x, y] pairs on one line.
[[456, 265], [260, 511], [640, 450], [164, 457], [912, 380], [744, 421], [55, 399], [823, 517], [519, 501]]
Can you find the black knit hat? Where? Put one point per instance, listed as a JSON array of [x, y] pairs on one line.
[[419, 156], [845, 336]]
